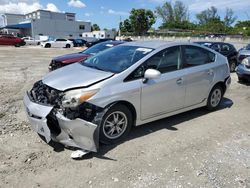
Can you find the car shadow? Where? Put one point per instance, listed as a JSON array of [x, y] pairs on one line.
[[143, 130], [168, 123], [246, 83]]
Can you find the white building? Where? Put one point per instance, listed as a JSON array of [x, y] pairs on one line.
[[45, 23], [100, 34]]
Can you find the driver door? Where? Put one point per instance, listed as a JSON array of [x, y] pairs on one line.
[[167, 93]]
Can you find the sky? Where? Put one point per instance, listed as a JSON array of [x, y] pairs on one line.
[[107, 13]]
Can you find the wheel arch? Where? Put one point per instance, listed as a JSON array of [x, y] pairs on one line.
[[128, 105], [222, 84]]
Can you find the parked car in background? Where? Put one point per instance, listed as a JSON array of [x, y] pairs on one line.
[[92, 43], [32, 41], [131, 84], [243, 53], [243, 70], [67, 59], [57, 43], [6, 39], [78, 42], [225, 49]]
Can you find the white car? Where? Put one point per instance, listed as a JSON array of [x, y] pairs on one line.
[[32, 41], [58, 43]]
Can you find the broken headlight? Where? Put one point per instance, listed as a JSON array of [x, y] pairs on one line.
[[76, 97]]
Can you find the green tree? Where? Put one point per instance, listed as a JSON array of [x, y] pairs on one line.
[[95, 27], [140, 21], [214, 25], [207, 15], [242, 27], [174, 15]]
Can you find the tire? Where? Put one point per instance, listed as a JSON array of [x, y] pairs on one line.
[[232, 66], [241, 80], [109, 126], [67, 46], [215, 98], [47, 45], [17, 45]]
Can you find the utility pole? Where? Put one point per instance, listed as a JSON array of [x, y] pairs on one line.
[[119, 32]]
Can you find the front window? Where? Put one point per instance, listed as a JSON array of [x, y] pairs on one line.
[[117, 59]]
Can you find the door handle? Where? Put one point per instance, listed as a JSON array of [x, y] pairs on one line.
[[210, 72], [179, 81]]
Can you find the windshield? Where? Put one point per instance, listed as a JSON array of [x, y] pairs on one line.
[[117, 59], [98, 48]]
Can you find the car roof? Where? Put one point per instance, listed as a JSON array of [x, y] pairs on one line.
[[155, 44]]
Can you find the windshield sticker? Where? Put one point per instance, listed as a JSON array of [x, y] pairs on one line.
[[144, 50], [109, 45]]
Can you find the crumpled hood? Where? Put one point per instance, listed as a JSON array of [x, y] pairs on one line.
[[244, 52], [72, 57], [73, 76]]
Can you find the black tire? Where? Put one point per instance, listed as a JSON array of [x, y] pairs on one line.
[[104, 129], [214, 100], [67, 46], [232, 66], [47, 45], [17, 45], [241, 80]]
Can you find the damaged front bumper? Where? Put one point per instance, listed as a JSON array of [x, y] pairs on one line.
[[75, 133]]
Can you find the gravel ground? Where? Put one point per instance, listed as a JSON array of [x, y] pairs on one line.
[[193, 149]]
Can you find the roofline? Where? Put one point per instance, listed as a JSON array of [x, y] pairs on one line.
[[13, 14]]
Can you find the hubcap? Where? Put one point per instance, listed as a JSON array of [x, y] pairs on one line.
[[115, 125], [216, 97]]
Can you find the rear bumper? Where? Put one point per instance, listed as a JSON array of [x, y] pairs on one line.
[[75, 133], [243, 72]]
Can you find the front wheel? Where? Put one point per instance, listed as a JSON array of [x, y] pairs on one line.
[[215, 98], [67, 45], [116, 124]]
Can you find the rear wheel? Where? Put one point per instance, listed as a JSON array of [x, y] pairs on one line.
[[215, 98], [232, 66], [67, 45], [116, 124]]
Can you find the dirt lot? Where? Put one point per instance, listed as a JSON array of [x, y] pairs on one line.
[[193, 149]]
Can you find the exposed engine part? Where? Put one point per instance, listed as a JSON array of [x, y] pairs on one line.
[[84, 111], [43, 94]]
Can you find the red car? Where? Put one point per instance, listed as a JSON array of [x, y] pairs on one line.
[[11, 40], [67, 59]]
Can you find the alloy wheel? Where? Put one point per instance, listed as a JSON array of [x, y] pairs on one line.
[[115, 125], [216, 97]]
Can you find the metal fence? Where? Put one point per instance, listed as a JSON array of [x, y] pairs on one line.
[[237, 42]]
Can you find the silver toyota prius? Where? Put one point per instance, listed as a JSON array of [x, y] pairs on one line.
[[100, 99]]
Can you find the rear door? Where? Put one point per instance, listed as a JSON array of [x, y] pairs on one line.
[[199, 66]]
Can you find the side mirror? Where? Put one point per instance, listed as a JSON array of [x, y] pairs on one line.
[[152, 74]]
